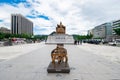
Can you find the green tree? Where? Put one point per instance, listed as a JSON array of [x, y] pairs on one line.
[[7, 35], [81, 37], [117, 31], [2, 35]]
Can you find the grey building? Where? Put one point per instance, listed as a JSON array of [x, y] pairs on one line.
[[103, 31], [99, 32], [90, 32], [115, 25], [108, 31], [21, 25], [4, 30]]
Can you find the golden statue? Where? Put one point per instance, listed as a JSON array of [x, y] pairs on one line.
[[60, 29], [59, 54]]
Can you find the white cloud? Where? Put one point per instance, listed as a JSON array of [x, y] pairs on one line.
[[77, 15], [7, 10]]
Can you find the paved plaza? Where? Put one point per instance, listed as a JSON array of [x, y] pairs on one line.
[[86, 61]]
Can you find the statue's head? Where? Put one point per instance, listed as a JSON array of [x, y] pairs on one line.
[[60, 23]]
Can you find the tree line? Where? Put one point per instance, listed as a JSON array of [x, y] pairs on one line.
[[27, 36], [8, 35], [81, 37]]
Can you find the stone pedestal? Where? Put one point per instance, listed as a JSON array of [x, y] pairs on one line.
[[58, 68], [60, 39]]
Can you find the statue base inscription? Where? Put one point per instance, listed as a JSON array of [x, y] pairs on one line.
[[60, 39], [58, 68]]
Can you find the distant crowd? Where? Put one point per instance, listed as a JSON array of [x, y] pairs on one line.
[[77, 42]]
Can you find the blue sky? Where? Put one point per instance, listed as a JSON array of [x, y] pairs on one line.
[[77, 15], [12, 1], [1, 20]]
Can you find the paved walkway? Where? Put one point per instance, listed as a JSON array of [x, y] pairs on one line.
[[84, 64], [8, 52]]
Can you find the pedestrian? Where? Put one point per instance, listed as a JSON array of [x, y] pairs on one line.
[[75, 42], [78, 42]]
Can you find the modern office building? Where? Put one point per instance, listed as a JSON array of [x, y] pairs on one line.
[[21, 25], [115, 25], [4, 30], [103, 31], [99, 31], [90, 32], [106, 30]]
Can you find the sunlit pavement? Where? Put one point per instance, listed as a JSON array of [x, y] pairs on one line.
[[87, 62]]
